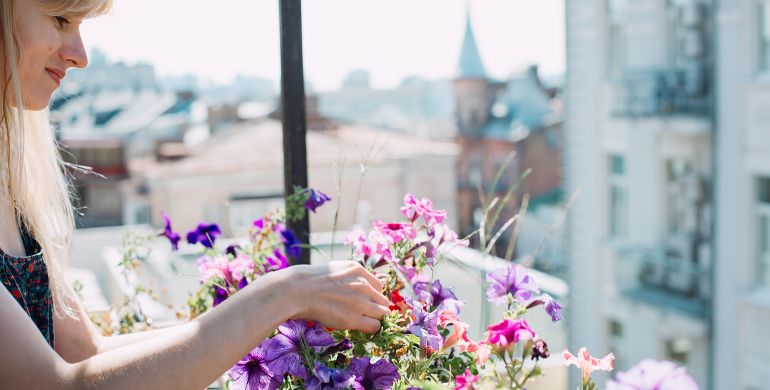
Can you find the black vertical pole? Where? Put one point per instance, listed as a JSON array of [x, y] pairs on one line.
[[293, 113]]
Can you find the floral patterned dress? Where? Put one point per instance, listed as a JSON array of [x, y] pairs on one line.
[[26, 278]]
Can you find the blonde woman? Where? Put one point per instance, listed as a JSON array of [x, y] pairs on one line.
[[46, 339]]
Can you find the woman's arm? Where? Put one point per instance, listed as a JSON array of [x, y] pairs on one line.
[[77, 339], [340, 295]]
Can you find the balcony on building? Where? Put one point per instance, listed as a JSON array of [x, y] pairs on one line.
[[651, 92], [663, 277]]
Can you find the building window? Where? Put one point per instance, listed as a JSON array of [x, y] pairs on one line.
[[678, 350], [616, 45], [763, 231], [618, 194], [682, 196], [764, 35]]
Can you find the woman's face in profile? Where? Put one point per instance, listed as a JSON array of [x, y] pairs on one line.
[[49, 46]]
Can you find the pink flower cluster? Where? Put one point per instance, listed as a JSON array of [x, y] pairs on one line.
[[231, 271], [414, 208], [459, 337]]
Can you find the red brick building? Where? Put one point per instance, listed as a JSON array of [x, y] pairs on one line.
[[494, 119]]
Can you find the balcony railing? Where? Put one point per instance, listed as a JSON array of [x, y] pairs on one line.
[[663, 280], [661, 92]]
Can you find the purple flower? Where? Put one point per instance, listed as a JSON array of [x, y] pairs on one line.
[[315, 199], [231, 249], [205, 234], [442, 298], [651, 374], [283, 352], [425, 326], [252, 372], [549, 304], [325, 378], [278, 262], [343, 345], [512, 279], [290, 241], [220, 294], [170, 234], [373, 376]]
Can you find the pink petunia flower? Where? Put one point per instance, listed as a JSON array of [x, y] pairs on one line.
[[586, 363], [444, 234], [355, 237], [466, 381], [414, 208], [509, 332], [397, 231], [231, 271]]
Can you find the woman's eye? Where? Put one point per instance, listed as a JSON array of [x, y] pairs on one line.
[[62, 20]]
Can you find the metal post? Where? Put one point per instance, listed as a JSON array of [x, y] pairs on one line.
[[293, 113]]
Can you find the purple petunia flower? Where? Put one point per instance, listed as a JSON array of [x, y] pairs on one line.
[[290, 241], [252, 372], [220, 295], [373, 376], [512, 279], [283, 350], [231, 249], [442, 298], [205, 234], [315, 199], [170, 234], [653, 374], [549, 304], [425, 326], [325, 378], [278, 261], [343, 345]]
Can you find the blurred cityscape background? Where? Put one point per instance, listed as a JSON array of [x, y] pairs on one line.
[[657, 110]]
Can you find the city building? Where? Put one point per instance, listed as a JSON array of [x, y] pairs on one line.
[[416, 107], [494, 119], [237, 176], [666, 116]]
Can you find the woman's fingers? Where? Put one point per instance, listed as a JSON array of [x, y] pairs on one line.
[[368, 325]]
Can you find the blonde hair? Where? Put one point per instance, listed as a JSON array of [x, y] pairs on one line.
[[31, 169]]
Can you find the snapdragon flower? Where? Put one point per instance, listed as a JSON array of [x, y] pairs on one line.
[[512, 279], [379, 375]]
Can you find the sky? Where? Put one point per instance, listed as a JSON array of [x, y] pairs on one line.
[[392, 39]]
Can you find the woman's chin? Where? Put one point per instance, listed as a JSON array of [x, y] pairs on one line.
[[37, 104]]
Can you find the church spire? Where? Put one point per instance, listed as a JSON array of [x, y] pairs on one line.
[[470, 60]]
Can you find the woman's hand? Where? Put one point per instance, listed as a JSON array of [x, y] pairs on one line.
[[338, 295]]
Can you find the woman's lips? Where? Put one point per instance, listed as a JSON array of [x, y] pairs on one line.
[[55, 76]]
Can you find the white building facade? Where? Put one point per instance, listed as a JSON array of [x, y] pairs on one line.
[[640, 140]]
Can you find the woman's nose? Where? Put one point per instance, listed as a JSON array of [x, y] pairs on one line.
[[73, 53]]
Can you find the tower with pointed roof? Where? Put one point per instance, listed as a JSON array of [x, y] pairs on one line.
[[473, 91]]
